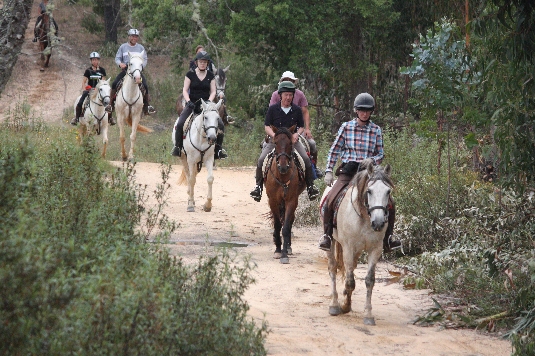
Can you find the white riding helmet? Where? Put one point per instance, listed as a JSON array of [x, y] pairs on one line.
[[94, 55], [133, 31]]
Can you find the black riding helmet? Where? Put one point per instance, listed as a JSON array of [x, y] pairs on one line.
[[286, 86], [364, 101], [203, 55]]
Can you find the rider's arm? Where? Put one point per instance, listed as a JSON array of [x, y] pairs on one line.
[[84, 83], [212, 90], [336, 147], [185, 89], [379, 151], [119, 56], [306, 118], [269, 131]]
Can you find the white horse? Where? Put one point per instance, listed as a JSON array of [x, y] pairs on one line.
[[199, 148], [129, 103], [362, 220], [95, 117]]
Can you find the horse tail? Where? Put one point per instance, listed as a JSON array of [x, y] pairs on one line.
[[182, 179], [140, 128]]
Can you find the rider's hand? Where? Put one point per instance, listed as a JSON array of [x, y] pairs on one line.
[[328, 179], [308, 134], [122, 65], [190, 104]]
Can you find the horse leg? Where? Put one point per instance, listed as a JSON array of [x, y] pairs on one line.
[[277, 226], [104, 132], [192, 178], [370, 282], [334, 307], [209, 169], [47, 60], [289, 217], [133, 139], [120, 121], [350, 263]]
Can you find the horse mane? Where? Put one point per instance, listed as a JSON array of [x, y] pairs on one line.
[[362, 178], [93, 93], [284, 130]]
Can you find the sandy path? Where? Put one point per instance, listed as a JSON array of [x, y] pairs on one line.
[[294, 298]]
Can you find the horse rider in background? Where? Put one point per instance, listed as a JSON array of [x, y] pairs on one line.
[[193, 64], [122, 59], [301, 101], [90, 80], [355, 141], [284, 114], [198, 84], [42, 10]]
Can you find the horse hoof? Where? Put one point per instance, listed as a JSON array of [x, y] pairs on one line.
[[289, 251], [207, 209], [369, 321], [124, 159], [277, 255], [191, 209], [334, 311], [285, 260]]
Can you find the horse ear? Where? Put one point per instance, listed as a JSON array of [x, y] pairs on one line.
[[108, 81], [225, 70], [388, 169], [218, 105], [203, 103], [292, 129]]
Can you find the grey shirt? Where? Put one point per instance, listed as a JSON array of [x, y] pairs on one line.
[[122, 53]]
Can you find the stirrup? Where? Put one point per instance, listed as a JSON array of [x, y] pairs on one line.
[[75, 121], [111, 121], [151, 110], [256, 193], [221, 154], [313, 192], [391, 245], [177, 151], [325, 242], [108, 108]]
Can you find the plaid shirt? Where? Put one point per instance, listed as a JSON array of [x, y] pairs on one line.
[[356, 143]]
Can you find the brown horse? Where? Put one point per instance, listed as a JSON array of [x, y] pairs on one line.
[[43, 38], [283, 188]]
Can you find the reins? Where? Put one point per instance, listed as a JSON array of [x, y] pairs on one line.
[[205, 130], [366, 206], [99, 119], [285, 186], [131, 75]]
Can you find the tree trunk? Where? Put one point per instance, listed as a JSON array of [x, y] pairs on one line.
[[14, 19], [112, 19]]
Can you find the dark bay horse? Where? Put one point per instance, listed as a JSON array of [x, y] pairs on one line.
[[283, 188], [43, 38]]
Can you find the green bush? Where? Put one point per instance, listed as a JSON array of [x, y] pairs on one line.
[[77, 273]]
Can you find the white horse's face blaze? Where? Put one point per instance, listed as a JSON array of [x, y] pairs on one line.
[[378, 194], [211, 120], [136, 66], [104, 91]]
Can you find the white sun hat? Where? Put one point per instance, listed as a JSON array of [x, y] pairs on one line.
[[288, 74]]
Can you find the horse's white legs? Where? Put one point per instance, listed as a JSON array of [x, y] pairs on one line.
[[373, 257], [210, 179], [192, 179], [350, 262], [133, 139], [104, 134], [334, 307]]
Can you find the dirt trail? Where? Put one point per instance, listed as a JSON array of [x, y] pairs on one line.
[[293, 298]]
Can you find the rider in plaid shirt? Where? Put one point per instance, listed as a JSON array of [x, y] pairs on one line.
[[356, 140]]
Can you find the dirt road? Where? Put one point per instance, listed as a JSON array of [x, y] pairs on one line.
[[294, 298]]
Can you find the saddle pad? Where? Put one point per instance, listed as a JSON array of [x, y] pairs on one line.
[[187, 124], [336, 204], [298, 160]]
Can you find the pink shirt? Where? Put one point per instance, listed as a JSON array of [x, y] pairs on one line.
[[299, 98]]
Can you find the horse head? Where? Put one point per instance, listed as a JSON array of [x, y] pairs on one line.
[[103, 89], [374, 187], [210, 114], [135, 65], [283, 147], [221, 82]]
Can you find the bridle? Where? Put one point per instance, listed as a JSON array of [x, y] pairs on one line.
[[366, 205], [285, 186], [102, 97], [204, 129]]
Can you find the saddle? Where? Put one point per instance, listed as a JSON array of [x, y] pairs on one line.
[[336, 203], [187, 124], [141, 87], [297, 159]]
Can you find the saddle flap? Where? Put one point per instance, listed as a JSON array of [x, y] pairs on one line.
[[187, 124]]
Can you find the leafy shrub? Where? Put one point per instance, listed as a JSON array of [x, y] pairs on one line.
[[79, 277]]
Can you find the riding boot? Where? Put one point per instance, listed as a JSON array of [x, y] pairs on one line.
[[77, 115], [326, 239], [111, 120], [111, 105], [389, 245], [147, 108], [256, 193], [312, 191], [177, 150], [220, 153]]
